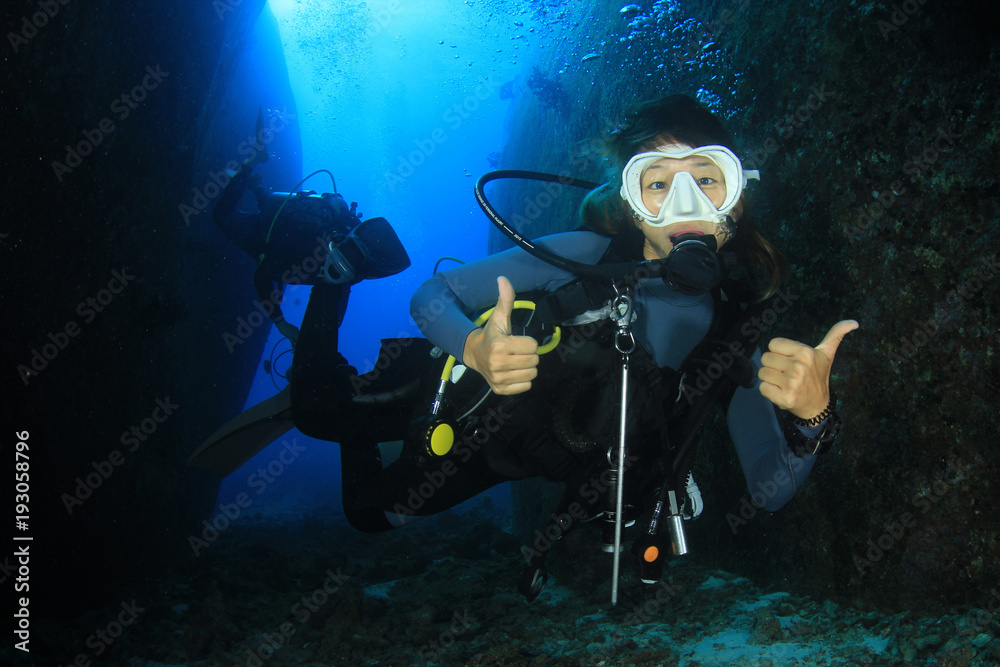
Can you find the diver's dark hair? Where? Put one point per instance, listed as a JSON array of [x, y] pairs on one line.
[[677, 119]]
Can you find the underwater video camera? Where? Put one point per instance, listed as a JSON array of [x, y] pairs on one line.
[[319, 237]]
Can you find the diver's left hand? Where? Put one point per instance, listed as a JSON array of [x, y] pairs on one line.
[[796, 377]]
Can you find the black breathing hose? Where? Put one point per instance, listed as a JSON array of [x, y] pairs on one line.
[[618, 270]]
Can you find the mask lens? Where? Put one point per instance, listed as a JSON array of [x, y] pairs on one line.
[[715, 162], [705, 172]]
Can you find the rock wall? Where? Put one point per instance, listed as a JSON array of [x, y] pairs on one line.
[[873, 127], [116, 303]]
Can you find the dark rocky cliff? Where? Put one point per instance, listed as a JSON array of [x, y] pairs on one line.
[[115, 307]]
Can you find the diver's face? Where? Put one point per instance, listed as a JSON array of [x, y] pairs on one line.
[[656, 182]]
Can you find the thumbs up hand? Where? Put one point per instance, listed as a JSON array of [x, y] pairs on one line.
[[509, 363], [796, 377]]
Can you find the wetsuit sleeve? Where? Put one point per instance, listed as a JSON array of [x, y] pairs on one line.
[[772, 471], [270, 293], [443, 306]]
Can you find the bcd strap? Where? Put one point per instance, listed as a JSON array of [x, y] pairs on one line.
[[567, 303], [587, 294]]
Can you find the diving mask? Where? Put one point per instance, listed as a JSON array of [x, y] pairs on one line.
[[685, 201]]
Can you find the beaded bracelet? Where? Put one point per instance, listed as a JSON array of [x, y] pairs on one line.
[[818, 419]]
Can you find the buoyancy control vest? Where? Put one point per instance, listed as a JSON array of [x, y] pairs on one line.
[[664, 421], [570, 417], [723, 353]]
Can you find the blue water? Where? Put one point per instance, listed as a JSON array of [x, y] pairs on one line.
[[401, 102]]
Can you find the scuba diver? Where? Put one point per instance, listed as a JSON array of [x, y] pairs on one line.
[[630, 331], [299, 238], [302, 238]]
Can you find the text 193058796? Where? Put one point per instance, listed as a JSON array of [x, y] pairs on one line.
[[22, 470]]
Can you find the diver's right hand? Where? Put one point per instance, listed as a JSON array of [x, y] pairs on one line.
[[509, 363]]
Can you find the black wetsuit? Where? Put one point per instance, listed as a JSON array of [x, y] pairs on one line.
[[525, 442], [331, 402], [245, 230], [248, 232], [288, 253]]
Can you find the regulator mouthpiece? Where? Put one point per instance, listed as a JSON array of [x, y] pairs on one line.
[[693, 266]]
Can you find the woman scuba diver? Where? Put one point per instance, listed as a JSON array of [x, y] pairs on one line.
[[674, 196], [636, 349]]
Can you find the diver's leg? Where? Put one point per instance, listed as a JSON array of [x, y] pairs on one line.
[[361, 483], [377, 500], [320, 380], [324, 387]]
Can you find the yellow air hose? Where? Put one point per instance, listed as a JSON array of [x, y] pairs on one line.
[[439, 436]]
